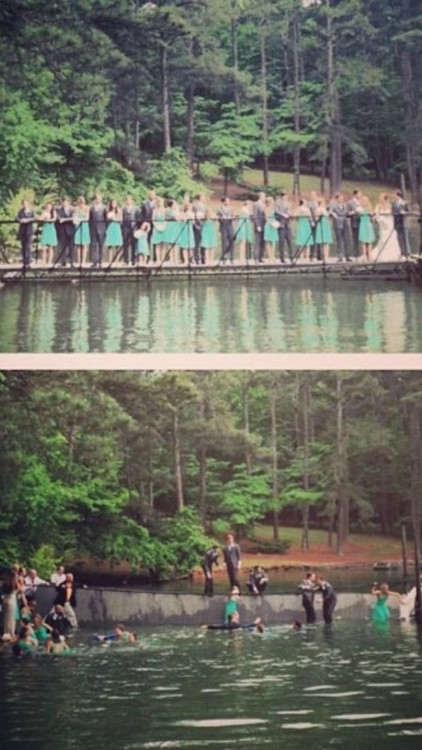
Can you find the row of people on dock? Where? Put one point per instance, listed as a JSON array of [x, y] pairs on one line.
[[161, 231]]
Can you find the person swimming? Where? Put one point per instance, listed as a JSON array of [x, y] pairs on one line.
[[233, 623], [119, 633]]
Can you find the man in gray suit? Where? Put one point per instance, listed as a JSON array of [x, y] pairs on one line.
[[282, 214], [97, 229], [339, 212], [225, 219], [400, 210], [258, 220], [353, 207]]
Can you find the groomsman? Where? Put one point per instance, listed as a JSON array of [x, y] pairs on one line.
[[225, 218], [353, 208], [258, 221], [400, 210], [282, 214], [313, 207], [339, 213], [65, 230], [198, 209], [97, 229], [129, 223]]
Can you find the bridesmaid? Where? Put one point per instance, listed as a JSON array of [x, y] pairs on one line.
[[304, 235], [158, 237], [270, 229], [186, 239], [81, 237], [366, 234], [172, 231], [243, 231], [48, 239], [208, 236], [323, 234], [114, 238]]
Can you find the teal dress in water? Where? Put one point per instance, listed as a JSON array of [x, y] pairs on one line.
[[243, 229], [81, 235], [380, 611], [208, 234], [303, 234], [114, 234], [230, 606], [48, 234], [323, 233], [270, 231], [366, 229]]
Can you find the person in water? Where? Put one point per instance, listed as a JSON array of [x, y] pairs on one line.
[[307, 588], [230, 605], [379, 611], [233, 623], [329, 598], [118, 634], [56, 643]]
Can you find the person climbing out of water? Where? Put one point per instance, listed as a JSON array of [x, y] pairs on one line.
[[230, 605], [233, 623], [329, 598], [307, 589], [379, 609], [210, 558], [258, 580]]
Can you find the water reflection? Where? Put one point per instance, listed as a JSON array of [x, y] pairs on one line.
[[236, 315]]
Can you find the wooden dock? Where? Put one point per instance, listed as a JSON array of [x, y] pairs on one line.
[[400, 270]]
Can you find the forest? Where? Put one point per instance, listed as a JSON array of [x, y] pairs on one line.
[[122, 95], [149, 467]]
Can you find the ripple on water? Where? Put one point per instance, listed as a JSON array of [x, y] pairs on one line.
[[207, 723], [303, 725], [359, 717]]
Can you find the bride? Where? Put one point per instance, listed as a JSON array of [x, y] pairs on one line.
[[387, 247]]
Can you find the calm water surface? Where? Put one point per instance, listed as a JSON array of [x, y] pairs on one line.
[[348, 687], [229, 315]]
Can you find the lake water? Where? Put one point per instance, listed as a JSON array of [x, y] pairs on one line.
[[351, 686], [277, 314]]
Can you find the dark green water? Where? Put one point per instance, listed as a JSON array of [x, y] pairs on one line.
[[351, 687], [279, 314]]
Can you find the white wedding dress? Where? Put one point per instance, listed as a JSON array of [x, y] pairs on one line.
[[387, 247]]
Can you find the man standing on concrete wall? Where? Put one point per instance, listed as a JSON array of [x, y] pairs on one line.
[[232, 559], [210, 558]]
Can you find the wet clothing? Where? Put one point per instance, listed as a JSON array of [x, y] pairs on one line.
[[210, 558], [329, 601], [380, 611], [307, 590], [58, 622], [232, 559], [232, 626], [230, 606], [41, 634]]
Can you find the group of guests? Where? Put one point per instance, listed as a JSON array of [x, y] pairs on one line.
[[23, 626], [164, 232]]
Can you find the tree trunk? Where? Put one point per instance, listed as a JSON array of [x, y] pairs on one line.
[[410, 119], [203, 483], [306, 398], [177, 462], [334, 125], [273, 413], [165, 99], [342, 490], [190, 138], [264, 100], [416, 488], [248, 458], [235, 52], [296, 113]]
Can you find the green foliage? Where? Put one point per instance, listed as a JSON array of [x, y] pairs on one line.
[[172, 177], [244, 498], [268, 546], [45, 560]]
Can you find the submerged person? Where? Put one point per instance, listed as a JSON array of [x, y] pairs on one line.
[[230, 605], [233, 623], [26, 642], [210, 558], [329, 598], [119, 634], [57, 620], [56, 643], [307, 589], [379, 611], [258, 580]]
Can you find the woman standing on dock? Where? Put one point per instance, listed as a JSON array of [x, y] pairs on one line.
[[243, 231], [208, 235], [322, 232], [158, 237], [366, 232], [81, 237], [271, 228], [114, 238], [172, 232], [48, 239], [303, 235], [387, 247], [186, 238]]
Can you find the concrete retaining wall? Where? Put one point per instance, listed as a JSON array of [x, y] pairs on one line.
[[105, 606]]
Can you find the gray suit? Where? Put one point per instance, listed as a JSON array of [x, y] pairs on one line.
[[400, 210], [339, 213], [354, 216], [282, 215], [258, 220], [225, 218]]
